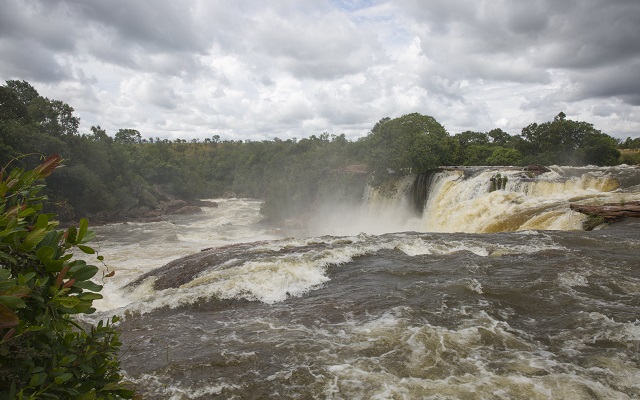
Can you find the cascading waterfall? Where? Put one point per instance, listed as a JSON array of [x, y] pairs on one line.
[[483, 200]]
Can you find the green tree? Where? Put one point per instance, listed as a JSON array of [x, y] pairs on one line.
[[564, 141], [413, 143], [129, 136], [44, 353], [504, 156]]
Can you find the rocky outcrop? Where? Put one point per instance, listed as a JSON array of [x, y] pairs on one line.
[[610, 212], [174, 205], [607, 213]]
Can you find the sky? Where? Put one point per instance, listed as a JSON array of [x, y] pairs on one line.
[[257, 70]]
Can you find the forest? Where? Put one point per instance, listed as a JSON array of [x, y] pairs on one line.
[[121, 175]]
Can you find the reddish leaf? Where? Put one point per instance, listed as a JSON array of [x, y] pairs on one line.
[[69, 283], [9, 334], [8, 319], [48, 166], [61, 275], [110, 274]]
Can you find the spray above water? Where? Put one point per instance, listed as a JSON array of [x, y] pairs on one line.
[[477, 200]]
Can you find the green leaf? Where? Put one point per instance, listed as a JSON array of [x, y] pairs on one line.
[[60, 379], [32, 239], [37, 379], [42, 222], [54, 266], [67, 302], [83, 272], [86, 249], [88, 285], [17, 291], [45, 254], [72, 233], [84, 225], [68, 359], [86, 368], [12, 302], [90, 296], [23, 279], [89, 237]]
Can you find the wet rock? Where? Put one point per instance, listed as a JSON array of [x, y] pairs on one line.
[[187, 210], [607, 213], [536, 170], [173, 205], [229, 195]]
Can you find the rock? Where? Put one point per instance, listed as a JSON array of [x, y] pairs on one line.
[[188, 210], [173, 205], [229, 195], [361, 169], [153, 214], [607, 213], [536, 169]]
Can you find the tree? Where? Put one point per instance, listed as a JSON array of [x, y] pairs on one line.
[[564, 141], [54, 117], [11, 107], [129, 136], [499, 137], [413, 143], [504, 156], [43, 352], [99, 134]]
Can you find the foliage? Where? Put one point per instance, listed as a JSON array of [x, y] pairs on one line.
[[413, 143], [630, 157], [568, 142], [44, 353], [630, 143]]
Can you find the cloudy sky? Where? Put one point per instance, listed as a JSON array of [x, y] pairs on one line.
[[254, 69]]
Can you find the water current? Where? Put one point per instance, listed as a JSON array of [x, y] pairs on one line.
[[484, 295]]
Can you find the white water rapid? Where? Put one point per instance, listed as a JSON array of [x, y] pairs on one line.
[[466, 200]]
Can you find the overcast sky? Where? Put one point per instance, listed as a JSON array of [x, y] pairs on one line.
[[255, 69]]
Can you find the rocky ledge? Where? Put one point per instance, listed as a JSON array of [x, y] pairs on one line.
[[607, 213]]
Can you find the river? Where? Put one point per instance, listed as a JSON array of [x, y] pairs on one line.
[[481, 294]]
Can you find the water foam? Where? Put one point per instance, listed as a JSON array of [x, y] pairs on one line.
[[457, 203]]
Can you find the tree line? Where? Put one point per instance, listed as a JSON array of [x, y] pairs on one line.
[[125, 172]]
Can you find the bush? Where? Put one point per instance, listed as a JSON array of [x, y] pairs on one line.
[[44, 353]]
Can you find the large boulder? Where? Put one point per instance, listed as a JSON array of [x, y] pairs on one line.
[[173, 205], [536, 170]]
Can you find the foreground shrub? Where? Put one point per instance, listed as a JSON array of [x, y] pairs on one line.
[[44, 352]]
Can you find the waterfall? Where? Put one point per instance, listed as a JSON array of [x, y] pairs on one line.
[[485, 199], [459, 202]]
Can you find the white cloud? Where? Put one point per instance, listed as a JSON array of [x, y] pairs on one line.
[[253, 70]]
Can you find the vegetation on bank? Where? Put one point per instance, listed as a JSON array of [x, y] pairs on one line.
[[44, 351], [124, 175]]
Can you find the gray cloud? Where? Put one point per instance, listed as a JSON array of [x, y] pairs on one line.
[[251, 69]]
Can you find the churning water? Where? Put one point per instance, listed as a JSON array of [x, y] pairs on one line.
[[421, 309]]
